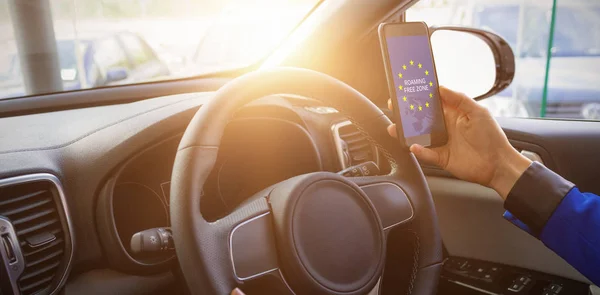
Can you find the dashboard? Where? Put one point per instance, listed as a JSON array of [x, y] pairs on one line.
[[114, 165], [96, 176]]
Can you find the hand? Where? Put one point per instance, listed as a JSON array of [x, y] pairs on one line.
[[477, 149], [237, 291]]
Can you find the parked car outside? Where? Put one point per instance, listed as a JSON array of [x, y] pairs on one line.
[[120, 58], [575, 57]]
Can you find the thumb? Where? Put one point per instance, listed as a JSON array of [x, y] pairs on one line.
[[425, 154]]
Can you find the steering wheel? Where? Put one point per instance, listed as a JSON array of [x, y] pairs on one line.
[[317, 233]]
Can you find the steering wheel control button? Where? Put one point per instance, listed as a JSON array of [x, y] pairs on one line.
[[364, 169], [252, 247], [329, 235]]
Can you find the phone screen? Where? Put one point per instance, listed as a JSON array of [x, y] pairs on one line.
[[412, 70]]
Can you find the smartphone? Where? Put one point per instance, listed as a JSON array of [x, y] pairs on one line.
[[413, 83]]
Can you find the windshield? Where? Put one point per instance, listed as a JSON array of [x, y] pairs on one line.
[[102, 43], [568, 39]]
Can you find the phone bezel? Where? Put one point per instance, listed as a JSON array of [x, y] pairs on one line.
[[433, 139]]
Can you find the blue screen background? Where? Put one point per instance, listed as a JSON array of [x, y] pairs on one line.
[[415, 84]]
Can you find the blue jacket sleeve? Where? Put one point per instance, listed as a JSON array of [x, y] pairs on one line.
[[573, 232], [566, 220]]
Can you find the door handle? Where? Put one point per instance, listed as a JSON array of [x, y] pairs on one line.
[[533, 156]]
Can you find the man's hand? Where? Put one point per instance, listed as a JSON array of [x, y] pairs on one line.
[[477, 149]]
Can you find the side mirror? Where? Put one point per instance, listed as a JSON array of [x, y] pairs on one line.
[[116, 74], [476, 62]]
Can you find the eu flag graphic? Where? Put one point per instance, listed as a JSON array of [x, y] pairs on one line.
[[415, 82]]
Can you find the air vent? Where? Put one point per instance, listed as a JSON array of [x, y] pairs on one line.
[[352, 145], [33, 204]]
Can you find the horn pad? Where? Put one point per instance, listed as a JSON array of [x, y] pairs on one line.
[[329, 236]]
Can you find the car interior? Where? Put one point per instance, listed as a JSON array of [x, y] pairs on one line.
[[278, 177]]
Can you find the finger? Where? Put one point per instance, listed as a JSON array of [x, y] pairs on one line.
[[458, 100], [450, 114], [390, 104], [392, 130], [425, 154], [237, 291]]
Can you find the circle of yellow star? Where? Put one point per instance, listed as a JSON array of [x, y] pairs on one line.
[[420, 65], [420, 108], [404, 98], [426, 72], [404, 67], [427, 104], [430, 84], [400, 87], [412, 63], [430, 95], [400, 75], [412, 107]]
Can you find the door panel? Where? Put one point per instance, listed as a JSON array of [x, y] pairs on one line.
[[470, 215], [573, 147], [471, 223]]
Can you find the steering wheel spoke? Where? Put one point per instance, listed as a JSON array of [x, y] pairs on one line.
[[252, 247], [389, 199]]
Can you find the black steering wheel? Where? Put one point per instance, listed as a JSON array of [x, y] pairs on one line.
[[317, 233]]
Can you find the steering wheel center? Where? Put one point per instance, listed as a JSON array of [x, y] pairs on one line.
[[329, 233]]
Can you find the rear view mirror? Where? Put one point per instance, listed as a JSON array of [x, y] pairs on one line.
[[116, 74], [476, 62]]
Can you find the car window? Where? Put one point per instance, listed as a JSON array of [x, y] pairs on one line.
[[99, 43], [108, 54], [8, 66], [136, 49], [572, 90]]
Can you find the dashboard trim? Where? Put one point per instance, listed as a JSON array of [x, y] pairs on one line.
[[472, 287], [18, 264], [59, 189], [116, 253], [335, 129]]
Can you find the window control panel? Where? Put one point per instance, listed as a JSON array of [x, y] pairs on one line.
[[519, 283], [484, 277], [469, 269], [552, 289]]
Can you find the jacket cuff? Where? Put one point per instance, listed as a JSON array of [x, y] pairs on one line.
[[518, 223], [535, 196]]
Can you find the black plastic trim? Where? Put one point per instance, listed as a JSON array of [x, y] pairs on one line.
[[114, 248], [62, 209]]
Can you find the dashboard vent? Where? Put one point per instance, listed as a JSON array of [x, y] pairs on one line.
[[33, 209], [353, 146]]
